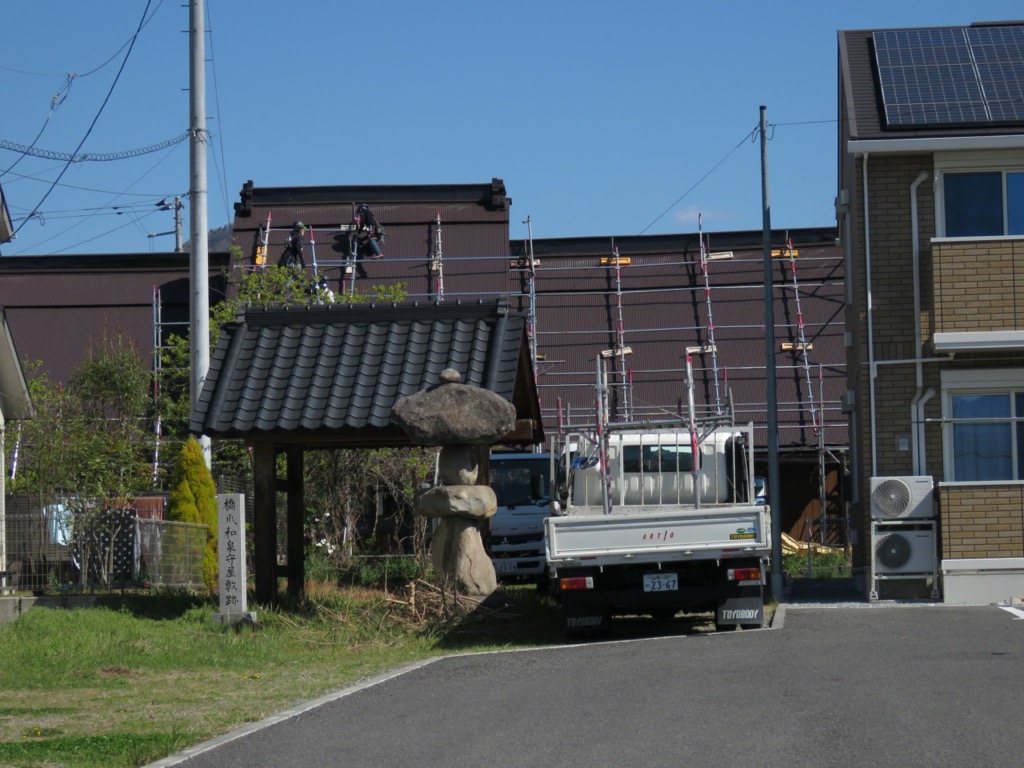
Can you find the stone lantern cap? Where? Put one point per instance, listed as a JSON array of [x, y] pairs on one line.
[[454, 413]]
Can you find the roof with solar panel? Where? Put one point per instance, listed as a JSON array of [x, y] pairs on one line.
[[937, 81]]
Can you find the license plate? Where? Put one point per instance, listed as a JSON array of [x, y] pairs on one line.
[[506, 566], [661, 582]]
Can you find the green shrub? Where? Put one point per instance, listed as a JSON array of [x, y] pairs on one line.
[[322, 567], [193, 499], [831, 565]]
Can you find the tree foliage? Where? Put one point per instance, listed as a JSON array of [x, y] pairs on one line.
[[193, 499], [92, 437], [362, 501], [268, 287], [86, 452]]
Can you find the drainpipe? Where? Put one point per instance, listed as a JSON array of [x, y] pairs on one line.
[[921, 467], [917, 404], [872, 372]]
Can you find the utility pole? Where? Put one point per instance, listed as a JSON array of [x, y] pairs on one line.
[[177, 206], [769, 369], [177, 224], [199, 336]]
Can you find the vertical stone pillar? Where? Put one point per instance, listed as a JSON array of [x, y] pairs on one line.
[[234, 601]]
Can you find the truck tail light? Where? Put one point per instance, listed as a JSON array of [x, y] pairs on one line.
[[576, 582], [743, 574]]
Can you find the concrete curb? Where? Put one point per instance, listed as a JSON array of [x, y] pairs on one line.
[[187, 754]]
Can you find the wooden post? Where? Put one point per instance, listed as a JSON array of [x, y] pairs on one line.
[[296, 512], [264, 524]]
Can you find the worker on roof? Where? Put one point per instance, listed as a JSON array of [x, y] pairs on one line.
[[367, 234], [292, 255]]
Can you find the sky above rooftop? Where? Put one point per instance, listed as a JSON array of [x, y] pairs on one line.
[[602, 118]]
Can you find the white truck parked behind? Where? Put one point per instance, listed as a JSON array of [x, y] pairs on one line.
[[521, 483], [656, 521]]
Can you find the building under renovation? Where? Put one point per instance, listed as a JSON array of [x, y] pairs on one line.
[[661, 321]]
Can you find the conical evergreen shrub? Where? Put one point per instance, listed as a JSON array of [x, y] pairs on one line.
[[193, 499]]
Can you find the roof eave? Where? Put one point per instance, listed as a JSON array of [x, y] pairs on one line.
[[16, 401], [929, 144]]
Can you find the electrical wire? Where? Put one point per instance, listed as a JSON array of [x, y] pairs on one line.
[[116, 196], [102, 234], [55, 102], [92, 125], [58, 99], [92, 189], [96, 157], [749, 137], [220, 164]]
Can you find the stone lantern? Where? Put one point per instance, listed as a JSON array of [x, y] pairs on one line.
[[459, 418]]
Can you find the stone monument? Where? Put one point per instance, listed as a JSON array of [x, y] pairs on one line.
[[459, 418]]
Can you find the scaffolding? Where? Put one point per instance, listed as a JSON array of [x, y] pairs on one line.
[[552, 286], [160, 327], [527, 265], [262, 243], [712, 347], [790, 253], [437, 262], [592, 280], [620, 350]]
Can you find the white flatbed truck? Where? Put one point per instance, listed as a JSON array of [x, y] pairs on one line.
[[640, 528]]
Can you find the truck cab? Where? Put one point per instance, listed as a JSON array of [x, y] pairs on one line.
[[522, 483]]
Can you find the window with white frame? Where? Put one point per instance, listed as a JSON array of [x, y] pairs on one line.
[[980, 195], [983, 424]]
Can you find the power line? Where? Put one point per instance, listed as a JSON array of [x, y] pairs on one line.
[[55, 102], [92, 189], [58, 99], [749, 137], [116, 196], [96, 157], [221, 168], [92, 125], [102, 234]]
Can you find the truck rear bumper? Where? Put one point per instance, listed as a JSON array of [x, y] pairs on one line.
[[620, 592]]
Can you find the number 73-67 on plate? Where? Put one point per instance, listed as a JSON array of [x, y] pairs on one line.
[[661, 582]]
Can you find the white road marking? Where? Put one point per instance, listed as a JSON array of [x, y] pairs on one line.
[[1015, 611]]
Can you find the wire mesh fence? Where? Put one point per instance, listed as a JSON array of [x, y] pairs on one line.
[[53, 547]]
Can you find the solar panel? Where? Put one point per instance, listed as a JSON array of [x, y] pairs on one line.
[[999, 52], [951, 76]]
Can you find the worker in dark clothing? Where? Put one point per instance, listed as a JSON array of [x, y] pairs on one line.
[[367, 234], [292, 255]]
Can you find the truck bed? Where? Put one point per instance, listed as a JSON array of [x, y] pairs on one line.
[[644, 535]]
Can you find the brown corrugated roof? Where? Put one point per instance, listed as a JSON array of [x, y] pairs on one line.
[[576, 300], [59, 306]]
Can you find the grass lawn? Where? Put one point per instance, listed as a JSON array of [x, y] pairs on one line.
[[128, 684]]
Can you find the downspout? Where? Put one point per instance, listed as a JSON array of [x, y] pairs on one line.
[[872, 372], [920, 397], [922, 465]]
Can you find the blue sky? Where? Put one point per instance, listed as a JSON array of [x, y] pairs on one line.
[[603, 118]]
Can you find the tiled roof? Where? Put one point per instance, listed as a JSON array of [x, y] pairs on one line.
[[329, 376]]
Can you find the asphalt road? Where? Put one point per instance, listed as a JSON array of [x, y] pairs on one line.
[[873, 685]]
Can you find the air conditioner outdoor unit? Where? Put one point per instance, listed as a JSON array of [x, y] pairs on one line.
[[904, 550], [902, 498]]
